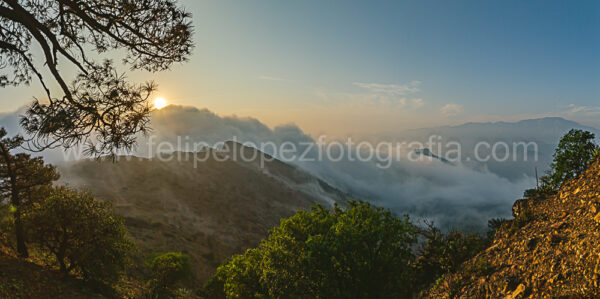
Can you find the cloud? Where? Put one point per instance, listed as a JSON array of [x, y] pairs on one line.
[[450, 110], [391, 89], [454, 196], [583, 110], [417, 103], [377, 94]]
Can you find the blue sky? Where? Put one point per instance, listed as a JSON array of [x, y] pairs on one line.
[[341, 67]]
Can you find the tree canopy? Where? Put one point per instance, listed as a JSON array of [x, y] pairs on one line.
[[359, 252], [80, 233], [153, 33], [574, 153], [169, 271], [23, 181]]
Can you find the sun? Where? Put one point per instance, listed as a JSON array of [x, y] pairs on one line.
[[160, 103]]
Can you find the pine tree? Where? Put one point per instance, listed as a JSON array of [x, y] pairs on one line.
[[23, 180]]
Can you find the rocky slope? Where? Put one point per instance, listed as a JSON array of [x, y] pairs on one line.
[[209, 209], [551, 249]]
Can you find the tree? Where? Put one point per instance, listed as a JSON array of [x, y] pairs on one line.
[[23, 181], [575, 151], [154, 34], [169, 270], [444, 253], [360, 252], [81, 234]]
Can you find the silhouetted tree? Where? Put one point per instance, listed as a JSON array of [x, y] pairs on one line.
[[154, 34], [444, 253], [23, 181], [493, 226]]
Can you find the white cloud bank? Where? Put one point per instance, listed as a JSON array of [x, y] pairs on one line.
[[452, 195]]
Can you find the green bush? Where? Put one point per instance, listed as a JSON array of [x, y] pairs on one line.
[[444, 253], [81, 234], [575, 151], [360, 252], [169, 270]]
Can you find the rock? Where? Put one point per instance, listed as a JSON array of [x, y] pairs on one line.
[[522, 208], [597, 218], [518, 291], [532, 243]]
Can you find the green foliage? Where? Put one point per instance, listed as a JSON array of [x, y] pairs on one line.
[[575, 151], [23, 181], [81, 234], [444, 253], [360, 252], [238, 278], [542, 192], [100, 101], [169, 270]]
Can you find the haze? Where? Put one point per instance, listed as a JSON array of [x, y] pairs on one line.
[[365, 68]]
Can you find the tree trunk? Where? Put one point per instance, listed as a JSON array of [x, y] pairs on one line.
[[63, 266], [21, 246], [15, 201]]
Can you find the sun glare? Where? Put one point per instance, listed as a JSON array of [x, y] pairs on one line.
[[160, 103]]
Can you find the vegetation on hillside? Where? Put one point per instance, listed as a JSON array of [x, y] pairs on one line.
[[550, 249], [574, 153], [80, 234], [362, 251], [23, 181], [171, 271], [57, 226]]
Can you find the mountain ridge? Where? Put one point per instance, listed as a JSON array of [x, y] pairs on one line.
[[210, 212]]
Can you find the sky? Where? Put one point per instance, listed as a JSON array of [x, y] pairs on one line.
[[363, 67]]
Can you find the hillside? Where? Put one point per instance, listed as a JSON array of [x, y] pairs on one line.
[[210, 211], [550, 249], [23, 279]]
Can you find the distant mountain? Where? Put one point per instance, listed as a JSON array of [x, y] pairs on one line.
[[445, 193], [546, 129], [545, 132], [211, 211], [427, 152]]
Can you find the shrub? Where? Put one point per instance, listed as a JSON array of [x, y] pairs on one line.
[[444, 253], [169, 270], [81, 234], [360, 252], [575, 151]]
